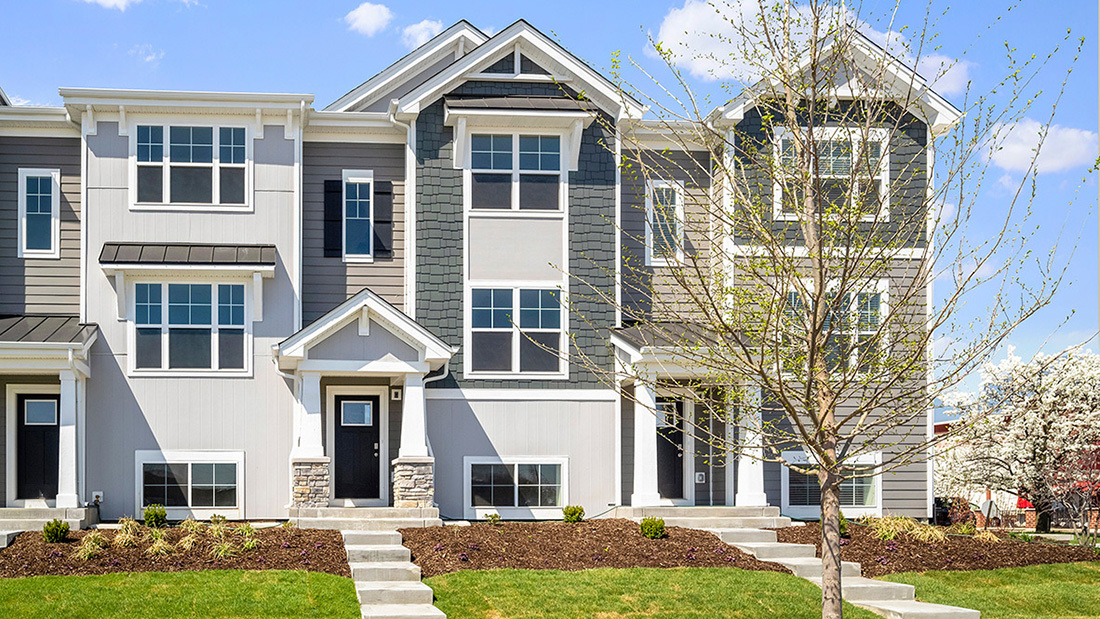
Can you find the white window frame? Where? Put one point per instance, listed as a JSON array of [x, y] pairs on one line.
[[882, 287], [55, 212], [56, 406], [164, 370], [12, 412], [562, 172], [811, 512], [166, 183], [514, 513], [189, 457], [855, 137], [382, 419], [652, 258], [371, 413], [516, 330], [355, 176]]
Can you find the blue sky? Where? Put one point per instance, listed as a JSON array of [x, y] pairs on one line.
[[328, 47]]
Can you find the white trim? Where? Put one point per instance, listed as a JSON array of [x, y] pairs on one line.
[[383, 416], [11, 446], [514, 513], [814, 511], [179, 456], [801, 251], [358, 177], [515, 286], [524, 395], [619, 233], [49, 423], [650, 259], [55, 213]]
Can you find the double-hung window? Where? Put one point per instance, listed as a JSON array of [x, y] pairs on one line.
[[852, 324], [189, 327], [198, 165], [851, 174], [358, 203], [501, 344], [664, 223], [515, 172], [859, 491], [39, 225]]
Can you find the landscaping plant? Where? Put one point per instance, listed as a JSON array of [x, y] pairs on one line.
[[653, 528], [187, 542], [55, 531], [129, 525], [223, 550], [192, 526], [90, 546], [246, 530], [155, 516], [159, 548], [573, 513], [125, 539], [843, 525], [985, 535], [250, 543], [493, 518], [288, 525]]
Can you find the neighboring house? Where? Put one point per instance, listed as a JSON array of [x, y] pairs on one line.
[[239, 304]]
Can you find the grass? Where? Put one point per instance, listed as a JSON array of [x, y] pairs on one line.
[[1060, 590], [637, 592], [215, 593]]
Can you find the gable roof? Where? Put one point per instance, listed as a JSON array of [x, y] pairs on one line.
[[546, 52], [451, 42]]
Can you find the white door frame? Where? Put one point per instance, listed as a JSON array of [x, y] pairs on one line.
[[688, 456], [12, 449], [383, 393]]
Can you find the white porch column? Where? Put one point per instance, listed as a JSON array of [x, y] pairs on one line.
[[414, 428], [750, 466], [66, 449], [645, 446], [309, 443]]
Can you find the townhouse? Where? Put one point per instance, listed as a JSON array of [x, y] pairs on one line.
[[247, 304]]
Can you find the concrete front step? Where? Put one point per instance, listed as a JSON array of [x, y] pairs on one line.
[[866, 590], [733, 522], [371, 538], [378, 553], [401, 611], [698, 511], [367, 523], [810, 567], [36, 525], [908, 609], [378, 571], [734, 536], [393, 592], [34, 518], [769, 551], [364, 512]]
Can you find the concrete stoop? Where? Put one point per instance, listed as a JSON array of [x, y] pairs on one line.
[[387, 582], [34, 518], [365, 518]]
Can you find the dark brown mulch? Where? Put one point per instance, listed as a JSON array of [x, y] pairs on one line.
[[959, 552], [298, 549], [565, 546]]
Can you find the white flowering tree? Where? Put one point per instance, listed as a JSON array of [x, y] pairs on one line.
[[1034, 431]]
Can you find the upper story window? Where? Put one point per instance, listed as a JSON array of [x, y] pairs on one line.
[[200, 166], [190, 327], [664, 223], [502, 345], [852, 321], [358, 203], [852, 170], [510, 171], [39, 213]]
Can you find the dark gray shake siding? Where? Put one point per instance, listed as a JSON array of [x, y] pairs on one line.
[[439, 268], [328, 282], [39, 285]]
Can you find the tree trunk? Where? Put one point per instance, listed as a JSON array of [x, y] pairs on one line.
[[831, 602], [1042, 516]]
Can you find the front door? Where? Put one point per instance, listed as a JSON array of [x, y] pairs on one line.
[[670, 448], [357, 447], [37, 443]]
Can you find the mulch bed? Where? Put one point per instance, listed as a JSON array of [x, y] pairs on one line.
[[568, 546], [959, 552], [297, 549]]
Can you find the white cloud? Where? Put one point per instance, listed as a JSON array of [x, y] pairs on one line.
[[418, 34], [1013, 147], [113, 4], [369, 19], [947, 75], [147, 53]]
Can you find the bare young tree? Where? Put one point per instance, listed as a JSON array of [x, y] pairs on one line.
[[784, 272]]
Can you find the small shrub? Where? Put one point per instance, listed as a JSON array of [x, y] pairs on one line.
[[1023, 537], [159, 548], [492, 518], [928, 533], [94, 538], [250, 543], [192, 526], [156, 535], [217, 519], [90, 546], [889, 528], [967, 528], [186, 543], [288, 525], [155, 516], [129, 525], [223, 550], [217, 529], [85, 553], [573, 513], [246, 530], [987, 536], [653, 528], [55, 531], [843, 525], [125, 539]]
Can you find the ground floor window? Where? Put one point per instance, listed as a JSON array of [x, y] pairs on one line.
[[191, 480], [522, 485], [804, 490]]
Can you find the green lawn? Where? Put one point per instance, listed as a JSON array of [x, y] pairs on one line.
[[1036, 592], [638, 592], [216, 593]]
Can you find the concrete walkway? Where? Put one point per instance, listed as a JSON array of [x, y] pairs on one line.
[[387, 582]]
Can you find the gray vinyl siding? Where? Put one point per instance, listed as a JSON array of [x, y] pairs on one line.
[[641, 283], [5, 381], [626, 413], [40, 285], [439, 264], [328, 282]]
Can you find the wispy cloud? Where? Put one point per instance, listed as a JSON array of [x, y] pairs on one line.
[[420, 33], [369, 19], [113, 4], [1013, 147], [147, 53], [17, 100]]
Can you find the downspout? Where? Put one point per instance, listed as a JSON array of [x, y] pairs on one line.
[[410, 209]]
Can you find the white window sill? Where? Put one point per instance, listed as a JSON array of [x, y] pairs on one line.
[[359, 259], [813, 512], [513, 212], [516, 513], [658, 262], [202, 513], [190, 206], [190, 373], [39, 254], [515, 376], [882, 218]]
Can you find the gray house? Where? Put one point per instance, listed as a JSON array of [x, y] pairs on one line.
[[240, 304]]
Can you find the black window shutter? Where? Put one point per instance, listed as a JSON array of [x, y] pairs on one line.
[[383, 218], [334, 219]]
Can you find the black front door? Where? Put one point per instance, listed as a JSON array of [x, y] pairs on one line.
[[670, 448], [357, 447], [37, 440]]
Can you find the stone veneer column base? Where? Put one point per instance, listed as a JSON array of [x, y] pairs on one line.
[[414, 482], [311, 482]]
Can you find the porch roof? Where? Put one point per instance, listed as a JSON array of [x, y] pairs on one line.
[[187, 253], [45, 328]]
